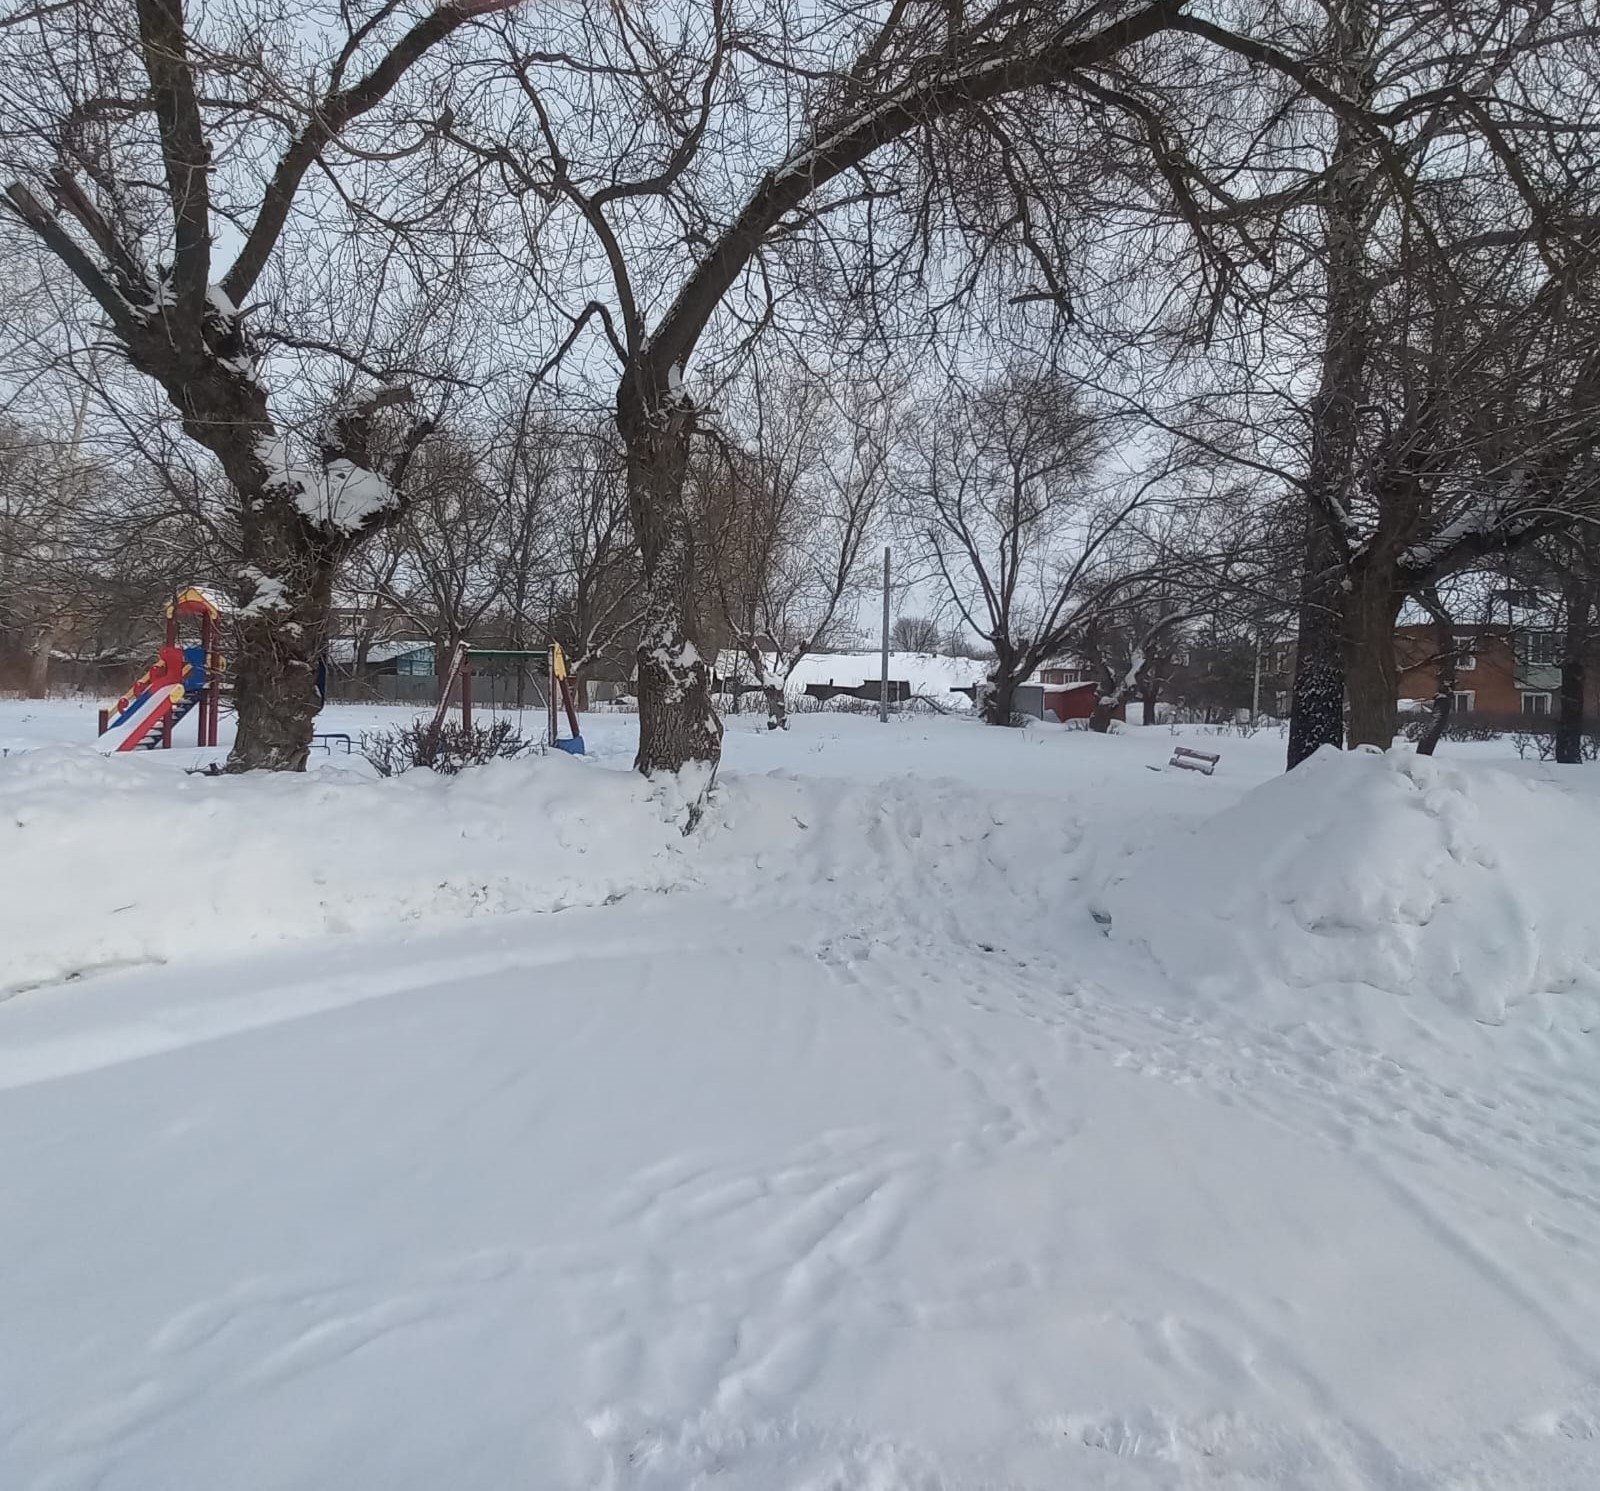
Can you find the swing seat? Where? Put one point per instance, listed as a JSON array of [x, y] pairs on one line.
[[573, 747]]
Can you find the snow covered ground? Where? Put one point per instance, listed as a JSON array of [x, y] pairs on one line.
[[955, 1109]]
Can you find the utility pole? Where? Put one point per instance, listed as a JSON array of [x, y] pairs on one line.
[[883, 676]]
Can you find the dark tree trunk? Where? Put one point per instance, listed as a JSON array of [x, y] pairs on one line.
[[1569, 712], [1104, 711], [999, 698], [1149, 707], [1316, 710], [282, 633], [1372, 605], [1444, 689], [677, 720], [777, 706], [1578, 603]]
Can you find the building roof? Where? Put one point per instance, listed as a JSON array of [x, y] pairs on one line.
[[342, 650], [926, 672]]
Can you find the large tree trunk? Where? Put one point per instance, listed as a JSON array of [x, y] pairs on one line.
[[1579, 607], [1569, 712], [1372, 676], [998, 700], [677, 720], [777, 706], [1106, 701], [1317, 711], [1444, 689], [282, 633]]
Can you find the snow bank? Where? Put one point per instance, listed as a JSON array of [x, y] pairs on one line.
[[129, 861], [1470, 885], [118, 861]]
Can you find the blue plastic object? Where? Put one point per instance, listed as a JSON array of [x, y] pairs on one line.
[[573, 747]]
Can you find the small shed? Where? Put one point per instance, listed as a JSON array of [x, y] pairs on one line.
[[1075, 701], [1026, 698]]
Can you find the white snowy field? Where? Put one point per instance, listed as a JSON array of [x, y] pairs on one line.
[[954, 1109]]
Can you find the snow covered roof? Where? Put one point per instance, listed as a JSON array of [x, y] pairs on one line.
[[926, 672], [343, 649], [192, 595]]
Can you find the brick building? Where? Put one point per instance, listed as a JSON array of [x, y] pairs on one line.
[[1501, 672]]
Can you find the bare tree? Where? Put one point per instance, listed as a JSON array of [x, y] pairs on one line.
[[93, 539], [924, 130], [1456, 390], [1129, 650], [136, 141], [593, 599], [915, 634], [1002, 488], [449, 570], [800, 507]]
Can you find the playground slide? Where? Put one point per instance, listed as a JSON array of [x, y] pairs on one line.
[[140, 723]]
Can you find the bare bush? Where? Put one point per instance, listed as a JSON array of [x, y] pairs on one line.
[[449, 749]]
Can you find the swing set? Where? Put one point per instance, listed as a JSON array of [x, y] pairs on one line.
[[500, 678]]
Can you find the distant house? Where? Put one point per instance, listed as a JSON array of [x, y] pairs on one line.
[[1500, 671], [1503, 672], [402, 657], [1065, 675]]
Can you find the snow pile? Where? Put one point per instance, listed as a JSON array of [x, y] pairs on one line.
[[338, 492], [1470, 885], [131, 862], [123, 861]]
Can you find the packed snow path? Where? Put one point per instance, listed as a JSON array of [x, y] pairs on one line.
[[885, 1169]]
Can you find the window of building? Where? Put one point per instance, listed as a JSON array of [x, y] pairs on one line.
[[1535, 703], [1539, 649], [1466, 654], [1462, 700]]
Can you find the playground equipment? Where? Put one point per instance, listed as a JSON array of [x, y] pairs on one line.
[[548, 665], [181, 681]]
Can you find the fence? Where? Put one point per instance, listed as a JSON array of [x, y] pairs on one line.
[[530, 690]]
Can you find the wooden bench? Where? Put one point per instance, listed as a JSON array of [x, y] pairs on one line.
[[1188, 760]]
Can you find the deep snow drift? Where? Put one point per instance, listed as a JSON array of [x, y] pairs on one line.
[[1399, 872], [952, 1110]]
